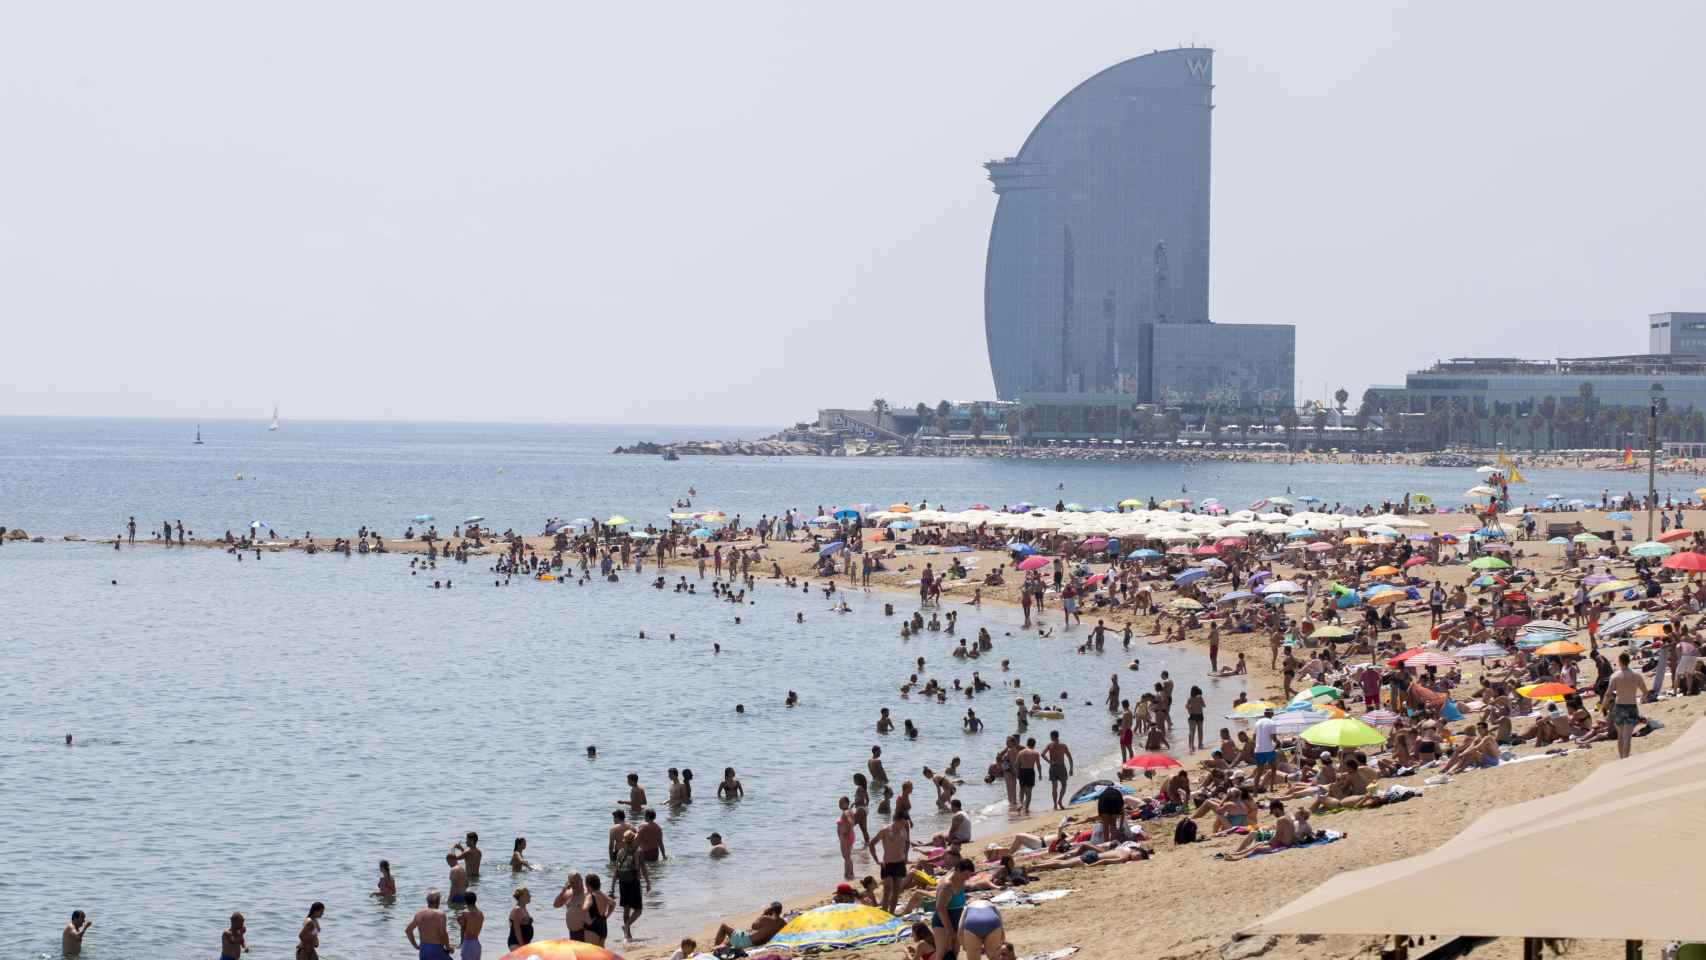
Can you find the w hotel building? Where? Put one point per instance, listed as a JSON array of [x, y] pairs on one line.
[[1097, 275]]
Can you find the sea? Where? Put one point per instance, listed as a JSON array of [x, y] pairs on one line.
[[255, 735]]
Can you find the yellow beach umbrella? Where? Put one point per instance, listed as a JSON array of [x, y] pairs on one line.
[[1185, 603], [617, 521], [1131, 502], [1610, 586], [1382, 599], [839, 925], [1254, 706], [1384, 570], [899, 508]]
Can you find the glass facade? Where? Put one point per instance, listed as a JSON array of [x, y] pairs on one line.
[[1101, 230], [1247, 366]]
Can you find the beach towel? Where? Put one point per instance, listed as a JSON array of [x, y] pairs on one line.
[[1322, 838], [1060, 954], [1013, 898]]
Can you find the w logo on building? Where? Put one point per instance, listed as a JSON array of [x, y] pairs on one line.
[[1199, 68]]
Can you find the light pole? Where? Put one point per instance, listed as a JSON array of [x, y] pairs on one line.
[[1652, 459]]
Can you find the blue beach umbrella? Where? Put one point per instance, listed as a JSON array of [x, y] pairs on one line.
[[902, 525], [701, 533], [1234, 596], [1190, 576], [1559, 541], [847, 514], [1300, 534], [1113, 545], [830, 548], [1022, 549], [1143, 553], [423, 518]]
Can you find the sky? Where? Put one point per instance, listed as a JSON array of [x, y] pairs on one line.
[[741, 212]]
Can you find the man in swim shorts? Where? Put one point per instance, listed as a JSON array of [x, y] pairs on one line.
[[1623, 695], [458, 879], [1025, 767], [762, 929], [429, 930], [893, 843], [1060, 763]]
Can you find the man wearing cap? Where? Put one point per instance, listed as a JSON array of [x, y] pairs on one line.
[[758, 934]]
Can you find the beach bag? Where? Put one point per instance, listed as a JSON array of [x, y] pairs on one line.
[[1185, 831]]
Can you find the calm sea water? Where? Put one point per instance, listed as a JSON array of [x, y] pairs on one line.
[[258, 735]]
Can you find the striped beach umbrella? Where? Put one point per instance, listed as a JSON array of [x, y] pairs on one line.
[[564, 949]]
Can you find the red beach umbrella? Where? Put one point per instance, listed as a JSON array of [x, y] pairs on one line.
[[1151, 761], [1677, 534], [1034, 561], [1690, 561], [1514, 620]]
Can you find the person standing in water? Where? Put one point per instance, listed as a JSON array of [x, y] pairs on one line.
[[471, 921], [429, 930], [234, 942], [71, 938], [308, 938]]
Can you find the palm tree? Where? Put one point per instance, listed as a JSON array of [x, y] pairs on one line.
[[1364, 413], [1289, 422], [977, 420], [943, 409], [879, 407], [1211, 424], [1340, 397], [923, 411], [1012, 421], [1318, 420], [1028, 420]]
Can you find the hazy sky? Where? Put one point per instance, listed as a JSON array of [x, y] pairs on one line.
[[738, 212]]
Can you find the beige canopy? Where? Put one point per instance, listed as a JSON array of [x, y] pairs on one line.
[[1610, 858]]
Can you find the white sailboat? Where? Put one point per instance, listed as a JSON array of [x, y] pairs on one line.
[[274, 425]]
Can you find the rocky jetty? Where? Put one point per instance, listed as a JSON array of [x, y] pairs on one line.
[[727, 448]]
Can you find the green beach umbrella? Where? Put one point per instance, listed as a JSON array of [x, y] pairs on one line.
[[1488, 563], [1652, 548], [1344, 732], [1586, 538]]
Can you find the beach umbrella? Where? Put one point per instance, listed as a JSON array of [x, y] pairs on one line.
[[978, 506], [616, 521], [902, 525], [423, 518], [1151, 761], [1594, 579], [1560, 648], [1546, 691], [838, 925], [564, 949], [821, 520], [1385, 597], [1317, 547], [1674, 535], [899, 508], [1690, 561], [1652, 631], [1143, 553], [1610, 586], [1185, 603], [1190, 576], [1319, 690], [476, 518], [1207, 550], [1094, 543], [851, 514], [1344, 732], [1652, 548], [1023, 549], [1278, 598], [1281, 586], [1429, 658], [1482, 651], [1229, 541], [1557, 541], [1514, 620], [1309, 499], [1480, 490], [830, 548], [1415, 562], [1131, 503], [701, 533], [1212, 562], [1254, 707], [1384, 570], [1488, 563], [1586, 538], [1297, 721], [1332, 632], [1300, 534], [1234, 596], [1379, 718], [1620, 515], [1033, 562]]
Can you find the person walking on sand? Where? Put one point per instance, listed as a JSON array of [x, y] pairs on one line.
[[429, 930], [1623, 699], [1060, 764]]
